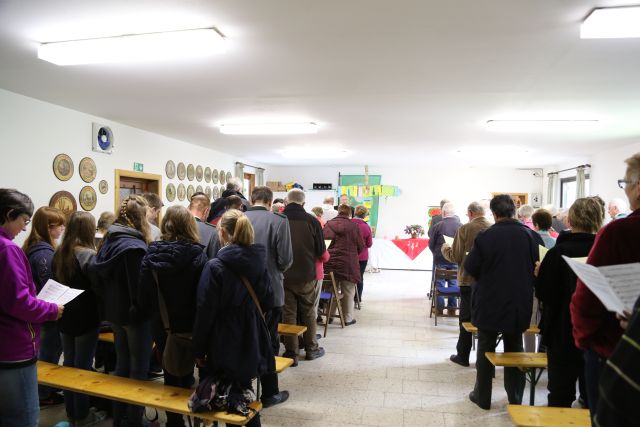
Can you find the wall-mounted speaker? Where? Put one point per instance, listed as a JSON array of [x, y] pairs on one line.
[[102, 139]]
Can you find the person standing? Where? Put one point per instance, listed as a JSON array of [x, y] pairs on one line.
[[617, 208], [21, 313], [300, 288], [457, 253], [501, 262], [448, 226], [208, 234], [272, 231], [596, 330], [153, 212], [361, 213]]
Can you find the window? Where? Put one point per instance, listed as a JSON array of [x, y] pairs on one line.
[[568, 190]]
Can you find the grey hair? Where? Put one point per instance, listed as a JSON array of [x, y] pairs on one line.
[[476, 208], [448, 209], [619, 203], [633, 167], [236, 183], [525, 211], [329, 200], [295, 195]]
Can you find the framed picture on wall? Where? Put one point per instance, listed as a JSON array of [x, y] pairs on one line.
[[518, 198]]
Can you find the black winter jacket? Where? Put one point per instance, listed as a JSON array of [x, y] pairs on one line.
[[40, 257]]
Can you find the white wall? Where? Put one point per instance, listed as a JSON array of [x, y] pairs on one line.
[[420, 188], [608, 167], [33, 132]]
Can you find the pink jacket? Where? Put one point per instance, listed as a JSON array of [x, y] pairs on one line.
[[320, 265], [365, 231]]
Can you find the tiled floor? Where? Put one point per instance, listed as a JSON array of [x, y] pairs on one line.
[[390, 369]]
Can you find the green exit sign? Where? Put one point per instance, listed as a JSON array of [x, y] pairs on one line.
[[138, 167]]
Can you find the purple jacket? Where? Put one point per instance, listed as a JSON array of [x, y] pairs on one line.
[[20, 311], [365, 231]]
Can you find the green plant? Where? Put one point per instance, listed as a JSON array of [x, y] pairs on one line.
[[416, 229]]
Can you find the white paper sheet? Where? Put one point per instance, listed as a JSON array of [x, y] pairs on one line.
[[542, 252], [616, 286], [58, 293], [448, 240]]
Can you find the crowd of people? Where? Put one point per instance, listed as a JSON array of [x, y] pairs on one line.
[[209, 278], [505, 287]]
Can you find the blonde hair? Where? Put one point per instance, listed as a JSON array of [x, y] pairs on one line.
[[179, 224], [317, 211], [586, 214], [44, 218], [133, 213], [361, 211], [238, 227], [633, 167]]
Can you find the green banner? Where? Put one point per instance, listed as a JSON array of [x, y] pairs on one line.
[[371, 202]]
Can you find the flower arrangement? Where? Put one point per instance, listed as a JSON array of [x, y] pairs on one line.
[[414, 230]]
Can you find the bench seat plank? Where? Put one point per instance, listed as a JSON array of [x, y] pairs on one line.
[[471, 328], [291, 330], [543, 416], [282, 363], [518, 359], [144, 393]]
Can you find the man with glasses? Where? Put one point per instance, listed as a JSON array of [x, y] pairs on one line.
[[595, 329]]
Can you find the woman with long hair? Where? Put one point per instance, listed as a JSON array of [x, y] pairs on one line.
[[227, 317], [79, 325], [47, 226], [21, 314], [555, 284], [176, 260], [118, 269]]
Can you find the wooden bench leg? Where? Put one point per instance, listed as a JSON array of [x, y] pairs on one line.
[[533, 381]]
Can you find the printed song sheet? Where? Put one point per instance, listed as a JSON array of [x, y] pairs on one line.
[[616, 286], [58, 293], [542, 252], [448, 240]]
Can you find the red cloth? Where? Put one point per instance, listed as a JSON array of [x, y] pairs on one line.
[[411, 247], [594, 327]]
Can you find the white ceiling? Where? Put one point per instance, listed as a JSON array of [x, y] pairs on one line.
[[394, 82]]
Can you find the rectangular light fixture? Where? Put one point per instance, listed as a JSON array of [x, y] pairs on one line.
[[612, 23], [269, 128], [134, 47], [542, 125]]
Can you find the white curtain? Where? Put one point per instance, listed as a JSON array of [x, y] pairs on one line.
[[259, 176], [551, 189], [580, 178], [240, 170]]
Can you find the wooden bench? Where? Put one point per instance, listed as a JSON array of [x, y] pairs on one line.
[[544, 416], [471, 328], [529, 363], [137, 392], [282, 363]]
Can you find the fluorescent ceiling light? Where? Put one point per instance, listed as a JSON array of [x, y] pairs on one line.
[[612, 23], [313, 152], [269, 128], [541, 125], [134, 47]]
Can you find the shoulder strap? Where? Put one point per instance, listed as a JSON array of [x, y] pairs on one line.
[[161, 304], [247, 284]]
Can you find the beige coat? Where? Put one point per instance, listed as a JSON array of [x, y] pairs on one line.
[[462, 244]]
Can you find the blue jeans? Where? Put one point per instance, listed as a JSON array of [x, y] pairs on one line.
[[50, 351], [78, 353], [441, 283], [19, 406], [133, 351]]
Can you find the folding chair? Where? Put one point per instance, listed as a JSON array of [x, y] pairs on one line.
[[330, 296], [450, 292]]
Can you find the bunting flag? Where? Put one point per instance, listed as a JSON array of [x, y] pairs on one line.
[[361, 191]]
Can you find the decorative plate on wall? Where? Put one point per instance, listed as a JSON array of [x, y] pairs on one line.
[[63, 167], [103, 187], [199, 173], [170, 169], [64, 201], [221, 177], [199, 189], [182, 171], [207, 191], [229, 176], [222, 189], [190, 191], [170, 192], [207, 174], [214, 176], [182, 192], [216, 192], [88, 198], [87, 169], [190, 172]]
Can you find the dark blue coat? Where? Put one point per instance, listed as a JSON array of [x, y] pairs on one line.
[[228, 328], [178, 265], [40, 257], [117, 268], [445, 227], [502, 262]]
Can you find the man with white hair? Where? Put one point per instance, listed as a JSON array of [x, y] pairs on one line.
[[617, 208], [328, 212], [448, 226]]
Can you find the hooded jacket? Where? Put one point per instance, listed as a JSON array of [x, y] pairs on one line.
[[40, 257], [228, 329], [117, 267], [178, 265], [81, 315], [346, 244], [20, 311]]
